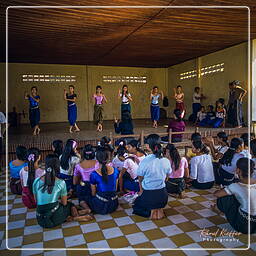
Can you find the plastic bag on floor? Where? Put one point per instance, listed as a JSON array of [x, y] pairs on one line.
[[128, 197]]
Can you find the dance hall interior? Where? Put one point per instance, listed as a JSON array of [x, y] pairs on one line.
[[76, 70]]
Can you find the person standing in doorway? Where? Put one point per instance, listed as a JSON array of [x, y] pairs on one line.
[[71, 97], [235, 112]]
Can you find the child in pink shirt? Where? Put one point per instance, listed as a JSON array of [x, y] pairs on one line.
[[175, 183]]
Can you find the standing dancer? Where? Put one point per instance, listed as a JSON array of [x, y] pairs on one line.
[[126, 98], [34, 111], [72, 109], [99, 98], [154, 107], [179, 97]]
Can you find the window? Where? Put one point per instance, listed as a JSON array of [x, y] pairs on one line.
[[124, 79], [212, 69], [188, 74], [48, 78]]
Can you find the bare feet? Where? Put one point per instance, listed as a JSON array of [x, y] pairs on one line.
[[84, 211], [215, 209], [83, 218]]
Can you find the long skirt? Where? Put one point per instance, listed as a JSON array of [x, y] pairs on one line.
[[236, 217], [180, 106], [217, 122], [125, 107], [130, 184], [28, 198], [149, 200], [15, 186], [155, 112], [205, 185], [98, 114], [68, 180], [224, 178], [235, 113], [72, 114], [34, 116], [175, 185], [53, 214], [103, 202], [83, 191]]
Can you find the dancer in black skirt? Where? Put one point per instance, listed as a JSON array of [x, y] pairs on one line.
[[34, 111], [152, 173]]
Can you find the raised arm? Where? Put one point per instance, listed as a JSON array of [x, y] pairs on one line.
[[129, 97], [104, 98], [26, 96], [37, 100], [242, 94]]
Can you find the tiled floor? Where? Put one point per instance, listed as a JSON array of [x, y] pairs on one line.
[[122, 229]]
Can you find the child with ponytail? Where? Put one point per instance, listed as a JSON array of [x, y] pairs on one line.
[[175, 184], [152, 173], [28, 174], [201, 169], [50, 193], [226, 171], [104, 183]]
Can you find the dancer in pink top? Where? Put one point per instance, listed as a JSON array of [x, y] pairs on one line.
[[99, 99]]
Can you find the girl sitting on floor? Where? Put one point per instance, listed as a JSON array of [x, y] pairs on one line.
[[201, 168], [68, 160], [15, 166], [125, 127], [175, 183], [57, 147], [253, 153], [233, 199], [219, 120], [128, 179], [48, 189], [121, 154], [27, 176], [152, 173], [82, 174], [226, 171], [104, 183], [245, 138]]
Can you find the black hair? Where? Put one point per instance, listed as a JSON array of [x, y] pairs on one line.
[[136, 144], [121, 151], [177, 114], [245, 138], [88, 152], [72, 86], [123, 89], [52, 168], [222, 101], [211, 107], [174, 155], [243, 165], [224, 137], [179, 86], [98, 87], [21, 153], [253, 147], [33, 155], [33, 87], [196, 88], [104, 140], [198, 144], [229, 154], [58, 147], [196, 136], [102, 156], [153, 140], [67, 154], [155, 87]]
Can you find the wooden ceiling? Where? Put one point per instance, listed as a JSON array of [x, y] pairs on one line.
[[148, 37]]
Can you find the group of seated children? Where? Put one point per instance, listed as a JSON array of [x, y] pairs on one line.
[[100, 174], [211, 118]]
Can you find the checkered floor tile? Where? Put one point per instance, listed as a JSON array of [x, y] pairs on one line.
[[121, 229]]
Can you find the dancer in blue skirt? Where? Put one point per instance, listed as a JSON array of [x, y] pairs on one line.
[[72, 108], [34, 111], [154, 107]]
